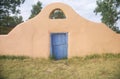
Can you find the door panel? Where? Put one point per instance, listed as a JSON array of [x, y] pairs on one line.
[[59, 45]]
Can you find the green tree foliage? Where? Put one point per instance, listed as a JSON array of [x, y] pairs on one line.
[[12, 21], [8, 7], [110, 12], [57, 14], [35, 9], [5, 30]]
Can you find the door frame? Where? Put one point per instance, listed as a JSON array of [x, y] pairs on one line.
[[51, 53]]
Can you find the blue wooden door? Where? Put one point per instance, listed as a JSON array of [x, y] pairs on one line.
[[59, 45]]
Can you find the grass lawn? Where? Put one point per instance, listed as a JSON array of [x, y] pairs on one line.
[[105, 66]]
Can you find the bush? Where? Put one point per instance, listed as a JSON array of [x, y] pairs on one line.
[[5, 30]]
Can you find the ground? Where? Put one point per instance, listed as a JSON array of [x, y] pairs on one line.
[[105, 66]]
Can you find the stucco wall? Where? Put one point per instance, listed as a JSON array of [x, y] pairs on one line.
[[32, 38]]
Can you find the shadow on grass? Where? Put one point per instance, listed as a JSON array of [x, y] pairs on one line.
[[13, 57], [1, 75], [116, 75], [104, 56], [93, 56]]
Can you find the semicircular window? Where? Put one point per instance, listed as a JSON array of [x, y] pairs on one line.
[[57, 14]]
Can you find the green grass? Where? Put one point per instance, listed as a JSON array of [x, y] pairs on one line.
[[105, 66]]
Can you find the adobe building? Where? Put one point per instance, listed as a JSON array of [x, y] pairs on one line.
[[43, 36]]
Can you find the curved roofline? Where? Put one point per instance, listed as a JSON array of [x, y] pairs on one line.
[[67, 10]]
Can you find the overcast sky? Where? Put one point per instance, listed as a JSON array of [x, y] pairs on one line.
[[84, 8]]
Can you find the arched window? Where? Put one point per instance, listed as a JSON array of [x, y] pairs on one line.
[[57, 14]]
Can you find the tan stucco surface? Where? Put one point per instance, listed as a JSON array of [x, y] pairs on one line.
[[32, 38]]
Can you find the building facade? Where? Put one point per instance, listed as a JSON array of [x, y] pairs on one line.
[[72, 35]]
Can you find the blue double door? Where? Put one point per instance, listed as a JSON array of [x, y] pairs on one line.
[[59, 45]]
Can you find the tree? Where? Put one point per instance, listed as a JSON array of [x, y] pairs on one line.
[[14, 20], [57, 14], [110, 12], [35, 9], [8, 7]]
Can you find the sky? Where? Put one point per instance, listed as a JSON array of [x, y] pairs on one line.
[[84, 8]]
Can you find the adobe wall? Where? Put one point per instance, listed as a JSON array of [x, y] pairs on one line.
[[32, 38]]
